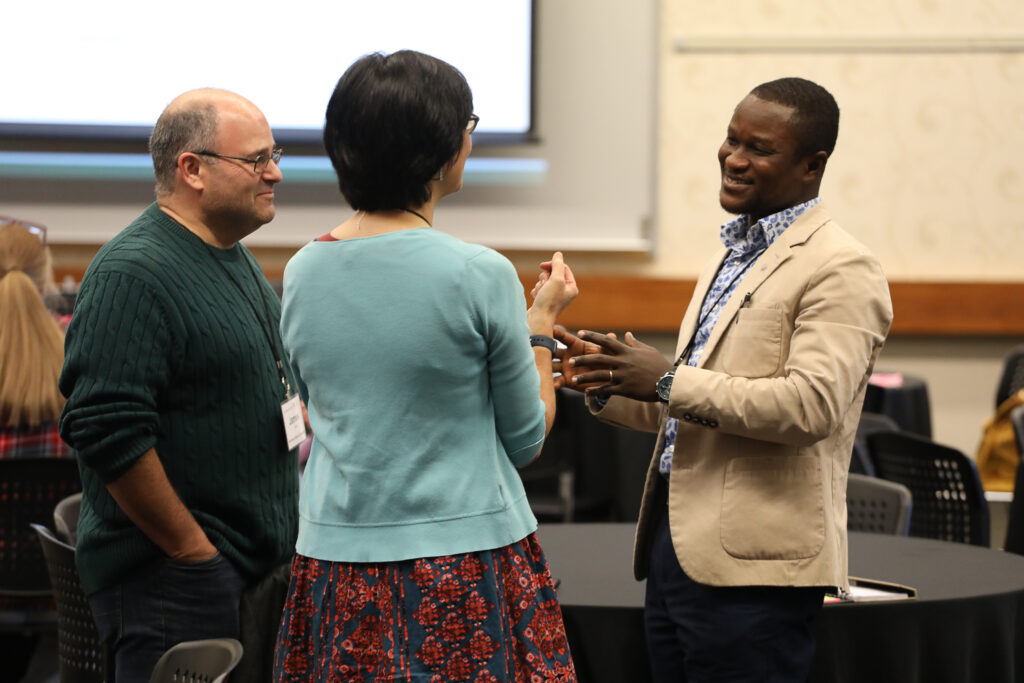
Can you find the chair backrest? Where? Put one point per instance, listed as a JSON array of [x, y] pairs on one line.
[[633, 450], [29, 491], [949, 503], [83, 658], [873, 423], [869, 423], [198, 661], [574, 477], [877, 505], [549, 481], [65, 518], [1015, 523], [860, 461], [1012, 379]]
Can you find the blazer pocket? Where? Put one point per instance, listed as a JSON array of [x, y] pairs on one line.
[[753, 343], [773, 508]]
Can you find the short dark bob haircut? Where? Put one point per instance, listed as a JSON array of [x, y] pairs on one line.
[[816, 119], [392, 123]]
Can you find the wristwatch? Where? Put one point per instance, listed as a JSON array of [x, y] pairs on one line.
[[545, 341], [664, 385]]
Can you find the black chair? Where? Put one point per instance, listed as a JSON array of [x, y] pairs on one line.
[[1012, 379], [83, 658], [65, 518], [198, 661], [949, 503], [29, 490], [550, 481], [877, 506], [870, 423], [574, 477], [1015, 523], [633, 452], [873, 423], [905, 401]]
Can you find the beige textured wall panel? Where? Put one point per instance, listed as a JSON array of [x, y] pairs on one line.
[[925, 171], [834, 16]]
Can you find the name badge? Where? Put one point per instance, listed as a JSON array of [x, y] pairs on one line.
[[294, 425]]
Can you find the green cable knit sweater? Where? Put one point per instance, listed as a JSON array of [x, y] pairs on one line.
[[164, 350]]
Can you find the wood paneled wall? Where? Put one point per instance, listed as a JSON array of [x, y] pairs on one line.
[[623, 302], [956, 309]]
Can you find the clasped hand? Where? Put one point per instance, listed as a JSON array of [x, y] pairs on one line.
[[603, 366]]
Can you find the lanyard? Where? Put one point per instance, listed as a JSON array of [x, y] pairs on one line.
[[264, 323], [704, 317]]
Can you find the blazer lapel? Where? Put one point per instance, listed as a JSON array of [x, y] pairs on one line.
[[778, 253]]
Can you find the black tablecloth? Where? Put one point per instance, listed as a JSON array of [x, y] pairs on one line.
[[966, 625]]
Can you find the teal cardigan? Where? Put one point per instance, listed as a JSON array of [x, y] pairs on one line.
[[413, 354]]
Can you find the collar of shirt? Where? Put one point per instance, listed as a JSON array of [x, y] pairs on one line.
[[741, 238]]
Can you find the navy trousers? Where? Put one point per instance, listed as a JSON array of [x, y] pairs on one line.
[[700, 634], [162, 605]]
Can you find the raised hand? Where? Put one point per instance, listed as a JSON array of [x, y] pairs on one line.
[[629, 368], [555, 289]]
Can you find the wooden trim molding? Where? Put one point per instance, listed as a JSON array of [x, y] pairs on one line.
[[958, 309], [622, 302]]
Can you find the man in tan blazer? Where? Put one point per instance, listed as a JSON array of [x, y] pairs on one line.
[[743, 522]]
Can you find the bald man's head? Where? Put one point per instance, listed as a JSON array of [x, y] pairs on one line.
[[190, 123]]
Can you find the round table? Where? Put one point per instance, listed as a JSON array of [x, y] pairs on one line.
[[966, 624]]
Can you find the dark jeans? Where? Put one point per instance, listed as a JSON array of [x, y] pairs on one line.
[[698, 633], [162, 605]]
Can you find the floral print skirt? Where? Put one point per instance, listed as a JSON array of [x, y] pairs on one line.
[[482, 617]]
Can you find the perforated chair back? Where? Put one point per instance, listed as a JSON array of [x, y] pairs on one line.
[[949, 503], [65, 518], [1015, 523], [1012, 379], [198, 661], [83, 658], [877, 506], [29, 491]]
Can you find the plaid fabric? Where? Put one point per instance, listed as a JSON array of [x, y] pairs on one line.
[[32, 442]]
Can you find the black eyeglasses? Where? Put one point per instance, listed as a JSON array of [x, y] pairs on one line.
[[36, 229], [473, 121], [259, 164]]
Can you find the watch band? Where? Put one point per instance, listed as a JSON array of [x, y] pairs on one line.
[[543, 340]]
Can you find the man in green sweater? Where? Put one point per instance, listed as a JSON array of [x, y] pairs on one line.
[[177, 401]]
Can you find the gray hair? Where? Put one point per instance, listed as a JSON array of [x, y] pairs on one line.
[[180, 129]]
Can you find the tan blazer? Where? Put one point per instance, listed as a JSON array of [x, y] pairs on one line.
[[768, 417]]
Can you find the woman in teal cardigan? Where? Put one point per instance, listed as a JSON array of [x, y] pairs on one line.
[[427, 383]]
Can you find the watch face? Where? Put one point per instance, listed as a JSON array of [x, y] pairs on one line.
[[664, 387]]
